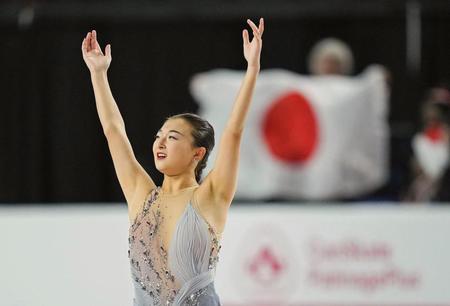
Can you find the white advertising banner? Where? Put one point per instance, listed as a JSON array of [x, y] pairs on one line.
[[358, 255], [363, 255]]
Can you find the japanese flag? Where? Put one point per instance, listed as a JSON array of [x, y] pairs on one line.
[[305, 137]]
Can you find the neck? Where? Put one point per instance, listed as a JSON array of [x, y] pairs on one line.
[[175, 183]]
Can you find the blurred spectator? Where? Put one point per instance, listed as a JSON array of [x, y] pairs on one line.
[[431, 150], [330, 56], [443, 191]]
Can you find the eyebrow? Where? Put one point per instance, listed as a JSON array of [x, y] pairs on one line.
[[175, 131]]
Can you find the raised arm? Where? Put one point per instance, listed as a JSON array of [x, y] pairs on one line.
[[223, 177], [129, 172]]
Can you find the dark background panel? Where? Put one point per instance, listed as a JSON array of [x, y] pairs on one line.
[[52, 148]]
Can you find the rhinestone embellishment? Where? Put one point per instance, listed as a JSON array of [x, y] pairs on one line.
[[149, 259]]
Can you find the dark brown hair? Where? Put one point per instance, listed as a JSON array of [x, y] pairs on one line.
[[203, 134]]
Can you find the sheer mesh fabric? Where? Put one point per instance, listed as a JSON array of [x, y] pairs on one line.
[[173, 252]]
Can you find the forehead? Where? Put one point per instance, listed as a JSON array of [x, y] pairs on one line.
[[176, 124]]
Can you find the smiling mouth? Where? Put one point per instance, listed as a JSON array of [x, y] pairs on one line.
[[160, 156]]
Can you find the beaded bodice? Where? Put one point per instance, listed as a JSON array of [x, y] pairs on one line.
[[172, 260]]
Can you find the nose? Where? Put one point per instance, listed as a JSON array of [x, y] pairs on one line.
[[161, 142]]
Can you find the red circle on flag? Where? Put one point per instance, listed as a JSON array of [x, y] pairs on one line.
[[290, 128]]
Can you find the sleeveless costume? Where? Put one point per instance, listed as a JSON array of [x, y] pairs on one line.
[[182, 273]]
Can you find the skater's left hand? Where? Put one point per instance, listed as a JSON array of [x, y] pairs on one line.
[[252, 49]]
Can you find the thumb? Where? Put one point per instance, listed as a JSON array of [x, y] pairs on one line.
[[108, 50], [245, 37]]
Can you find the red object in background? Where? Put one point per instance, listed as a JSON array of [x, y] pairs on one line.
[[290, 128], [434, 132]]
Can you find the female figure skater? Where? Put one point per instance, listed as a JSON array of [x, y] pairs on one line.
[[175, 228]]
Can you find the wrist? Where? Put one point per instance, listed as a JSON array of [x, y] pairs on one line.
[[253, 68], [98, 74]]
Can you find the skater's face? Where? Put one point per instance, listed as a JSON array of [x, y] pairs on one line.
[[173, 149]]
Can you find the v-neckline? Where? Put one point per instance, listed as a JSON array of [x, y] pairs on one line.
[[166, 250], [159, 192], [189, 203], [200, 216], [177, 224]]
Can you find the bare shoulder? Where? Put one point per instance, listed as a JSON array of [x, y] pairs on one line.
[[144, 186]]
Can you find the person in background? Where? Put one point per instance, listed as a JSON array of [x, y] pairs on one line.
[[330, 56], [431, 151], [442, 96]]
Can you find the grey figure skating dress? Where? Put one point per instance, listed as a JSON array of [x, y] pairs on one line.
[[183, 275]]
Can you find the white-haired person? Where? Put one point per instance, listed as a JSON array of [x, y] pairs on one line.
[[330, 56]]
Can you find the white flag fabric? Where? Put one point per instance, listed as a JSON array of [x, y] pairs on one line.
[[319, 137]]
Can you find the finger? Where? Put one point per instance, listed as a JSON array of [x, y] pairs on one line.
[[256, 37], [245, 37], [108, 50], [93, 39], [96, 44], [253, 26], [83, 46], [88, 42], [98, 48], [261, 26]]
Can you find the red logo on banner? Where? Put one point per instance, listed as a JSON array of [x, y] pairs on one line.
[[266, 266]]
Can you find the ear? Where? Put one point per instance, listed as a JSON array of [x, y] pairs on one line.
[[199, 153]]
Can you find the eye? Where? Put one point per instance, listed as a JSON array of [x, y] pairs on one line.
[[156, 136], [173, 137]]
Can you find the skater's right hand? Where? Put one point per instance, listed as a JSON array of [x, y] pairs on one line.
[[93, 55]]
